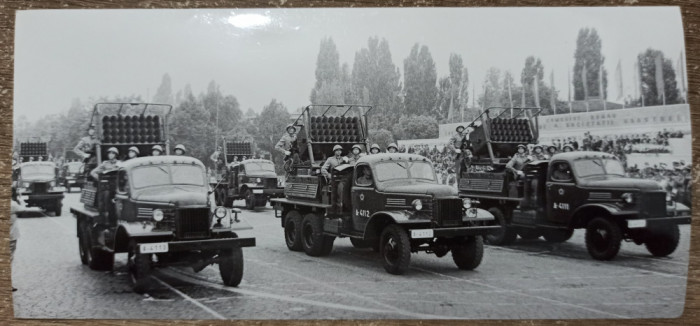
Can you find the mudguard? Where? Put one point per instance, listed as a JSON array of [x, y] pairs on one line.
[[401, 217], [477, 214], [141, 229], [612, 209]]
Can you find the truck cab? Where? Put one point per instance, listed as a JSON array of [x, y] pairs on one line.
[[38, 184], [72, 175], [390, 202], [253, 180]]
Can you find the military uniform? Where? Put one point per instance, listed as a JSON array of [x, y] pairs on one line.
[[330, 164], [458, 142], [559, 175], [364, 181], [352, 158], [104, 204], [105, 166], [517, 162], [86, 148]]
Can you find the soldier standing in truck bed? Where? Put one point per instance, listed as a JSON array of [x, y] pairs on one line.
[[87, 148], [456, 144], [104, 203], [518, 161], [284, 145], [330, 164]]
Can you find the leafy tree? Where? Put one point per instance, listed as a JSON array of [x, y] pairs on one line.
[[381, 137], [375, 79], [420, 80], [445, 100], [492, 89], [190, 125], [271, 127], [588, 49], [647, 61], [416, 127], [327, 70], [164, 94]]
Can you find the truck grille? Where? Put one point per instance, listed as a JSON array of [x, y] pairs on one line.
[[652, 204], [270, 183], [192, 223], [40, 187], [448, 212]]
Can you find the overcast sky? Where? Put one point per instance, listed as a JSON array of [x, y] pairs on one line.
[[257, 55]]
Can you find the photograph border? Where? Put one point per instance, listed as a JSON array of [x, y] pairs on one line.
[[690, 11]]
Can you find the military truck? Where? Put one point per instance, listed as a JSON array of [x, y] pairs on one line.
[[37, 177], [393, 202], [574, 190], [157, 209], [72, 171], [253, 180]]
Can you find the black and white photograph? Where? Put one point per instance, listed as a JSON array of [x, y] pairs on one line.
[[350, 164]]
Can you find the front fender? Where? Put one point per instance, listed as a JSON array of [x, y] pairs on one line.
[[611, 209], [141, 229], [400, 217], [477, 214]]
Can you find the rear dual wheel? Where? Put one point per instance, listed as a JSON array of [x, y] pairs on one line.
[[292, 231], [503, 236], [664, 240], [139, 266], [314, 242]]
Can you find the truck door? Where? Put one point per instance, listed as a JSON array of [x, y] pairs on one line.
[[362, 190], [561, 186]]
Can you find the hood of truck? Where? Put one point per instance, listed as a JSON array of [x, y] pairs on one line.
[[261, 174], [436, 190], [180, 196], [613, 182], [38, 178]]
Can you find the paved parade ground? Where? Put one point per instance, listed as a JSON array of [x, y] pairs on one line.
[[528, 280]]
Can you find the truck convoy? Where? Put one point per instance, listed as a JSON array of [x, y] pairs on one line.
[[72, 171], [157, 209], [253, 180], [573, 190], [37, 177], [394, 203]]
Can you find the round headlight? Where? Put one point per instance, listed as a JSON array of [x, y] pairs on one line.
[[417, 204], [467, 203], [157, 215], [258, 180], [668, 197], [220, 212], [52, 184], [628, 197], [25, 184]]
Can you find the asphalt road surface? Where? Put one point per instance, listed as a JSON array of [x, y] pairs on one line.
[[528, 280]]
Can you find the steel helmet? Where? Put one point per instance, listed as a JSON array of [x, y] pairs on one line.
[[375, 146], [180, 147], [522, 146], [337, 147], [158, 148], [537, 146], [393, 145], [460, 126], [357, 146], [134, 149], [113, 150], [568, 146], [291, 125]]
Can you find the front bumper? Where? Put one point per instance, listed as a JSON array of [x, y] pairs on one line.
[[267, 192], [201, 245], [42, 197], [651, 223], [452, 232]]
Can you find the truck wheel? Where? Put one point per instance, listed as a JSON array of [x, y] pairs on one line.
[[292, 231], [468, 255], [395, 248], [139, 266], [360, 243], [529, 234], [57, 209], [249, 199], [83, 246], [503, 236], [558, 236], [663, 241], [313, 241], [603, 238], [97, 259], [231, 266]]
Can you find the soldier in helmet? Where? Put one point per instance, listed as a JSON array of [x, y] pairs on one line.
[[331, 163], [215, 156], [355, 154], [568, 148], [538, 154], [374, 149], [285, 144], [105, 203], [518, 161], [551, 150], [132, 153], [457, 144], [87, 148], [392, 148], [180, 149], [157, 150]]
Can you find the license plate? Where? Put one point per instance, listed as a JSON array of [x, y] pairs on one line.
[[257, 191], [422, 234], [636, 223], [152, 248]]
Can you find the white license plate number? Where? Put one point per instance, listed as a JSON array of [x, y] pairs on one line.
[[257, 191], [636, 223], [152, 248], [422, 234]]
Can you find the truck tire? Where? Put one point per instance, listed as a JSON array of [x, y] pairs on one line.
[[663, 241], [312, 238], [57, 209], [468, 255], [395, 248], [97, 259], [139, 266], [292, 231], [529, 234], [231, 266], [603, 238], [360, 243], [249, 199], [558, 236], [503, 236]]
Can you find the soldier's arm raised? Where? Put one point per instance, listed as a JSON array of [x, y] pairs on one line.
[[79, 151]]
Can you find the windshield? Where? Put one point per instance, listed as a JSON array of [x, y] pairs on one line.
[[592, 167], [37, 169], [404, 170], [159, 175], [259, 166]]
